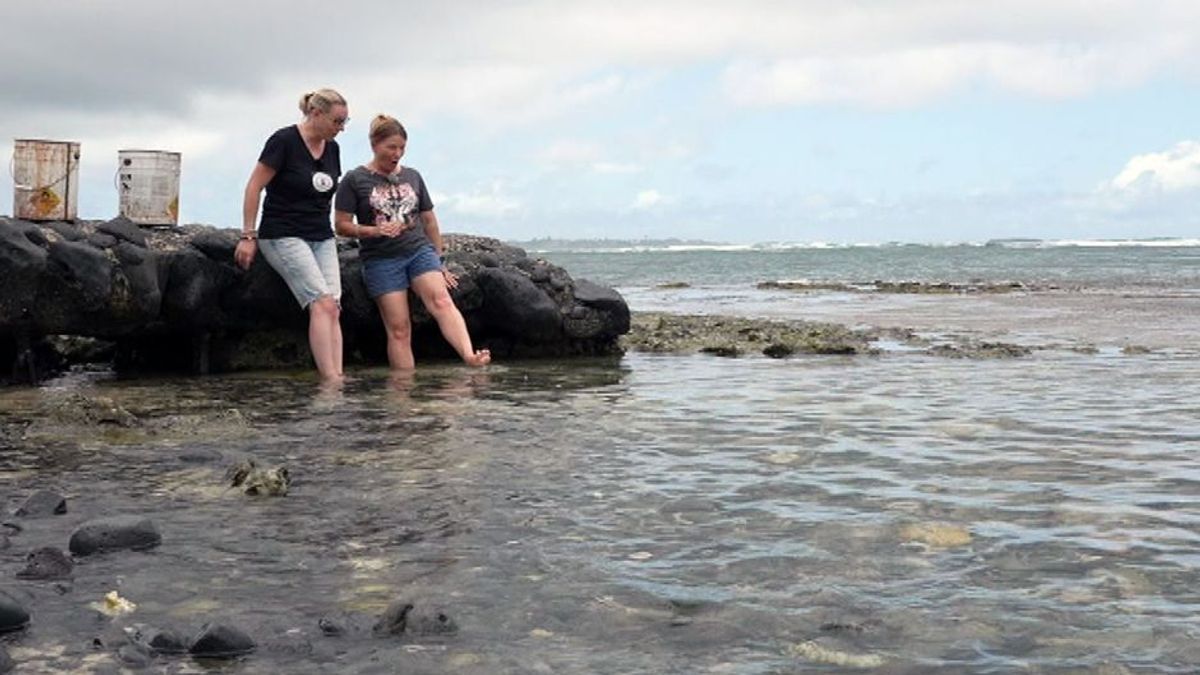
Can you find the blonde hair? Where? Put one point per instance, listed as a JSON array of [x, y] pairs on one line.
[[321, 99], [383, 127]]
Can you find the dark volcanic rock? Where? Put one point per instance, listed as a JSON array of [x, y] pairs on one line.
[[518, 307], [217, 641], [6, 662], [46, 563], [42, 503], [404, 617], [172, 299], [158, 640], [394, 619], [13, 616], [114, 534], [124, 228]]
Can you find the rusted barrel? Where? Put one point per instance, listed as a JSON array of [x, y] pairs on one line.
[[148, 186], [45, 179]]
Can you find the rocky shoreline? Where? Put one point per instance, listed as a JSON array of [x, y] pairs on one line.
[[172, 300], [728, 336]]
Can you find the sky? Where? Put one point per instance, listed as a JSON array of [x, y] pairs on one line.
[[749, 121]]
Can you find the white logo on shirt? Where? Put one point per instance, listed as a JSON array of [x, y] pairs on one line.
[[322, 182]]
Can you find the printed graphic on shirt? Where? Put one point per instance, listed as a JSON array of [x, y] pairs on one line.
[[394, 203], [322, 182]]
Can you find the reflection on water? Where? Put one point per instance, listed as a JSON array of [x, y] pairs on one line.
[[655, 514]]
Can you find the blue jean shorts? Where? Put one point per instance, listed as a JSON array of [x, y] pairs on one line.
[[310, 268], [388, 275]]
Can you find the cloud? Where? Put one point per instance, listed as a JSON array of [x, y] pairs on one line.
[[649, 199], [1174, 170], [494, 202], [616, 167], [579, 154]]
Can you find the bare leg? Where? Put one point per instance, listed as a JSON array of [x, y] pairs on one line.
[[394, 309], [325, 337], [431, 288]]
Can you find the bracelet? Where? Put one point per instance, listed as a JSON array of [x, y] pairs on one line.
[[356, 233], [248, 236]]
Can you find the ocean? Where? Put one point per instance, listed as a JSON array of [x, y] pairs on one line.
[[898, 512]]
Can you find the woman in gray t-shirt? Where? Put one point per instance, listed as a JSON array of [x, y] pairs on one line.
[[387, 208]]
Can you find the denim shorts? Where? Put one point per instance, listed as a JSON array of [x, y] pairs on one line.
[[310, 268], [388, 275]]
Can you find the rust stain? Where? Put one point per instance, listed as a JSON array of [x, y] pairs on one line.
[[173, 209], [44, 203]]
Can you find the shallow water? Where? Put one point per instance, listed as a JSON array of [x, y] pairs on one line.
[[653, 514]]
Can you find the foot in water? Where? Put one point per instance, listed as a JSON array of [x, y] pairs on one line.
[[481, 357]]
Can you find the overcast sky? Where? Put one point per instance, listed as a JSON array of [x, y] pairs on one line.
[[892, 120]]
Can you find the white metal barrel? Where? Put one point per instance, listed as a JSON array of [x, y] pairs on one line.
[[148, 186], [45, 179]]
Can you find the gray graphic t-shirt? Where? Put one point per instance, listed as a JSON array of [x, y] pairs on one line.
[[375, 199]]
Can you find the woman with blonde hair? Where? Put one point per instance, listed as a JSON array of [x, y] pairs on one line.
[[387, 207], [299, 167]]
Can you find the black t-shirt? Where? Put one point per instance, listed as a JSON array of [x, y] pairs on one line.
[[297, 201], [374, 199]]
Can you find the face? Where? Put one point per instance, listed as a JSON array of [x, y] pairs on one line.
[[333, 122], [389, 151]]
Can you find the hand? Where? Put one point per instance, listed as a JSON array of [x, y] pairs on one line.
[[243, 255], [450, 277], [391, 228]]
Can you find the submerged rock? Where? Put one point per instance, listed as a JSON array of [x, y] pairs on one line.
[[114, 534], [220, 641], [405, 617], [42, 503], [257, 480], [817, 652], [732, 336], [156, 640], [45, 564], [937, 535], [13, 615]]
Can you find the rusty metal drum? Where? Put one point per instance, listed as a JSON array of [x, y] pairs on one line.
[[148, 186], [45, 179]]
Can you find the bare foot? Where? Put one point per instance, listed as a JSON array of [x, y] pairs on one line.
[[479, 358]]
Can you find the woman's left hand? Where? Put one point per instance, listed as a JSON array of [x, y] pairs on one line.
[[450, 277]]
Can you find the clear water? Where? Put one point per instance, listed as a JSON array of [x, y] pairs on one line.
[[660, 514]]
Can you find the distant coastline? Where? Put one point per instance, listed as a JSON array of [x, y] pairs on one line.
[[551, 244], [556, 245]]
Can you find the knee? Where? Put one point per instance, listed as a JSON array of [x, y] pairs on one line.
[[400, 330], [325, 306], [440, 303]]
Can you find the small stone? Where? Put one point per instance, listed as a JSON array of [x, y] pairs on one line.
[[541, 633], [166, 642], [219, 641], [394, 619], [47, 563], [256, 480], [115, 534], [432, 621], [778, 350], [12, 615], [42, 503], [131, 656], [330, 628]]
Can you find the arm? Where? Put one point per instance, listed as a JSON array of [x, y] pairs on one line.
[[248, 244], [430, 222]]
